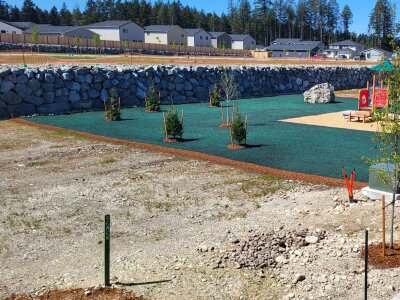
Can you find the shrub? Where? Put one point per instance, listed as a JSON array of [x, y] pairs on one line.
[[113, 112], [238, 128], [215, 97], [153, 99], [173, 125]]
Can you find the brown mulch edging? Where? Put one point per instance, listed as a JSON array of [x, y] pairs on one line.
[[78, 294], [315, 179], [375, 258]]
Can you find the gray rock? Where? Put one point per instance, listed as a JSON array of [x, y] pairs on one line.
[[34, 84], [179, 99], [23, 89], [4, 72], [24, 109], [54, 108], [22, 78], [61, 99], [82, 105], [104, 96], [312, 239], [74, 86], [140, 93], [48, 87], [34, 100], [74, 96], [48, 97], [6, 86], [58, 83], [67, 76], [92, 93], [11, 97], [49, 78], [62, 92], [321, 93]]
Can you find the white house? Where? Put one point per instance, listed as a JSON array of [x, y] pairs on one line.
[[118, 31], [344, 49], [198, 37], [8, 27], [67, 31], [242, 41], [373, 54], [165, 35], [221, 40]]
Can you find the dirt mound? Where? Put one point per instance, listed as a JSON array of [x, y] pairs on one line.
[[375, 258], [77, 294]]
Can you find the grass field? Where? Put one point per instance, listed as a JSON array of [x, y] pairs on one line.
[[308, 149], [18, 58]]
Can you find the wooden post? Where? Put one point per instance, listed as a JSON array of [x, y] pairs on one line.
[[222, 113], [366, 267], [230, 131], [107, 250], [165, 126], [383, 227], [373, 91], [182, 118]]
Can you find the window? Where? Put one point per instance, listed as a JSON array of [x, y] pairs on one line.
[[183, 35], [201, 37], [206, 38], [3, 31], [124, 30]]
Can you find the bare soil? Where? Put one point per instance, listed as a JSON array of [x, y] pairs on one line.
[[170, 217]]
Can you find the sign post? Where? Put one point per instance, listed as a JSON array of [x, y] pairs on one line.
[[107, 250]]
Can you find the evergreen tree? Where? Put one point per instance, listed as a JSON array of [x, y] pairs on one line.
[[76, 16], [347, 20], [15, 15], [65, 15], [4, 11], [382, 23], [90, 13], [28, 12], [54, 17]]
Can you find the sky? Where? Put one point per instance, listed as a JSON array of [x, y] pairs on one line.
[[360, 8]]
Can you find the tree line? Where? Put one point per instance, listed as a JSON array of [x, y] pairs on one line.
[[265, 20]]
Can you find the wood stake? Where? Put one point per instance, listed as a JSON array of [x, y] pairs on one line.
[[165, 126], [182, 118], [373, 90], [383, 227], [230, 130], [222, 114]]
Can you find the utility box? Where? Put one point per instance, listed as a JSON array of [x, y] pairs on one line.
[[375, 181]]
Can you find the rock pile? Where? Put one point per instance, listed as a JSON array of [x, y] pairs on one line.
[[269, 250]]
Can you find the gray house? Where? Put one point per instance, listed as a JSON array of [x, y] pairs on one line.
[[9, 27], [373, 54], [67, 31], [198, 37], [294, 48], [242, 41], [221, 40], [118, 31]]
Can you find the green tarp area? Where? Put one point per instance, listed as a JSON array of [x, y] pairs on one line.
[[385, 66], [287, 146]]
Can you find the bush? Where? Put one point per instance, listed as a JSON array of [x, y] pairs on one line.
[[113, 112], [173, 125], [215, 97], [238, 128], [153, 99]]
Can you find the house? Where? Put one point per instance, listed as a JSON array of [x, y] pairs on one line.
[[221, 40], [344, 49], [118, 31], [242, 41], [9, 27], [165, 34], [198, 37], [373, 54], [67, 31], [294, 48]]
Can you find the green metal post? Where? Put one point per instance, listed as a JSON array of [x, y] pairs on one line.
[[107, 250]]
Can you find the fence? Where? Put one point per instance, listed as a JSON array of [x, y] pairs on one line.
[[73, 42]]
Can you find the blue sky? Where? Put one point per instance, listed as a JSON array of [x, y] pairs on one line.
[[360, 8]]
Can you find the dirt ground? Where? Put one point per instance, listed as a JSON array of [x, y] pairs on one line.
[[171, 217], [45, 58]]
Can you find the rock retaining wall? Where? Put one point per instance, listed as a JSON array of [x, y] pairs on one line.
[[65, 89]]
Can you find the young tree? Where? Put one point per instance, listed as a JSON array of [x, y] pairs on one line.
[[35, 36], [387, 139], [228, 85], [77, 43], [153, 99], [172, 125], [97, 41], [239, 130], [113, 112]]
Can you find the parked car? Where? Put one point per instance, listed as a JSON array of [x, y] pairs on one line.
[[319, 56]]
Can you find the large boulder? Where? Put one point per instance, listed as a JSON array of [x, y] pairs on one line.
[[320, 93]]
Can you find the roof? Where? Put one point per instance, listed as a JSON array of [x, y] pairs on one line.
[[160, 28], [109, 24], [285, 41], [346, 43], [386, 53], [239, 37], [46, 28], [193, 31], [291, 47], [216, 34], [21, 25]]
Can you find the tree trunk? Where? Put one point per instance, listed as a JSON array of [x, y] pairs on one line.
[[392, 222]]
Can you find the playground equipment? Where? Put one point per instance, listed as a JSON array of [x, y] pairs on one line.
[[373, 97]]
